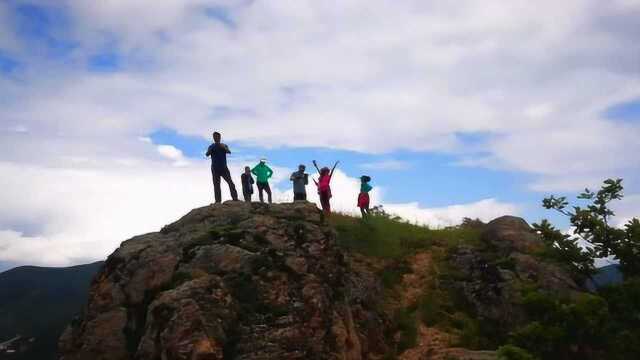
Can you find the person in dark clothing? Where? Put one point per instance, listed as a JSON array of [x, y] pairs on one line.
[[218, 152], [300, 181], [247, 184]]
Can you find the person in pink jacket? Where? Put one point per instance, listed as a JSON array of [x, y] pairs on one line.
[[324, 186]]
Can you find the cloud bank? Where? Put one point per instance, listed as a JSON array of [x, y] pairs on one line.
[[520, 86]]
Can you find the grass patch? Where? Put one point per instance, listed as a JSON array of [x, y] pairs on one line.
[[391, 238], [386, 237], [392, 276], [405, 321]]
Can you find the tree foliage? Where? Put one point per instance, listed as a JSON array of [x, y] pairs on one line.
[[566, 250], [592, 224]]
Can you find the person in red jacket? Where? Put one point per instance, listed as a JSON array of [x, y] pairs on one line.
[[324, 186], [363, 197]]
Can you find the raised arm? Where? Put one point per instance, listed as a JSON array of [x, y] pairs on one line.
[[334, 167], [316, 165]]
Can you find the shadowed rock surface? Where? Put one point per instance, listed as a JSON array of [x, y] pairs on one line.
[[232, 281], [252, 281], [492, 279]]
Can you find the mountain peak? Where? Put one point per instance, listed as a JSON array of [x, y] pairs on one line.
[[232, 280]]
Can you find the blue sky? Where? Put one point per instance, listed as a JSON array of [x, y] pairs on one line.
[[431, 179], [441, 104]]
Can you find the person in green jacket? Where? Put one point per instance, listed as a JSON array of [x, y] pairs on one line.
[[263, 173]]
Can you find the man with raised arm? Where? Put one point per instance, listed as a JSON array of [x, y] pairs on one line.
[[218, 152]]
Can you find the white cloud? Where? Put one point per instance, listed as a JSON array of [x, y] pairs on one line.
[[371, 76], [172, 153], [18, 129], [311, 74], [486, 210], [387, 165], [626, 209], [94, 209], [538, 111]]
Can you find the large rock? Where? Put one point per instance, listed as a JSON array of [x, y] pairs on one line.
[[510, 233], [232, 281], [492, 279]]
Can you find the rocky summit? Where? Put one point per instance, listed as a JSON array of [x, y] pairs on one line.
[[230, 281], [255, 281]]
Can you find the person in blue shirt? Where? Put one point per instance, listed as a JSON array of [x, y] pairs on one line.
[[218, 152]]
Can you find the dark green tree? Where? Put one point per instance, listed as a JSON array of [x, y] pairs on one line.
[[566, 250], [592, 224]]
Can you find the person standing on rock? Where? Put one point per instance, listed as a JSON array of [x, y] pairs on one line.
[[218, 152], [300, 181], [247, 184], [263, 173], [363, 197], [324, 186]]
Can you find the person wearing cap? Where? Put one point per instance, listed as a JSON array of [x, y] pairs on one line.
[[363, 197], [218, 152], [263, 173], [300, 182]]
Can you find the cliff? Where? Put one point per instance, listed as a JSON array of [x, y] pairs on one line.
[[251, 281], [242, 281]]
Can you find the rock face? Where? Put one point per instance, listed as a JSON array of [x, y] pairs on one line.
[[510, 234], [492, 280], [232, 281]]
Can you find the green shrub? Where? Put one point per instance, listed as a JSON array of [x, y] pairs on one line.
[[392, 276], [511, 352], [470, 335], [546, 341], [429, 307], [405, 322]]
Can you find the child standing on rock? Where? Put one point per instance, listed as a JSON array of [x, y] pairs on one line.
[[324, 186], [247, 184], [363, 198]]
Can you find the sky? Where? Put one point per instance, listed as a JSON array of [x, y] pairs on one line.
[[455, 109]]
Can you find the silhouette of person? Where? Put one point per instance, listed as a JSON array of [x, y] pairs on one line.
[[324, 186], [218, 152], [247, 184], [263, 173], [300, 181], [363, 197]]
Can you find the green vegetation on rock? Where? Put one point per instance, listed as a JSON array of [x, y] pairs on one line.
[[509, 287]]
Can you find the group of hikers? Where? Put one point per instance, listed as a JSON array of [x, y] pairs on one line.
[[219, 170]]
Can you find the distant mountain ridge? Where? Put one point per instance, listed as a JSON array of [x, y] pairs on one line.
[[605, 276], [39, 302]]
